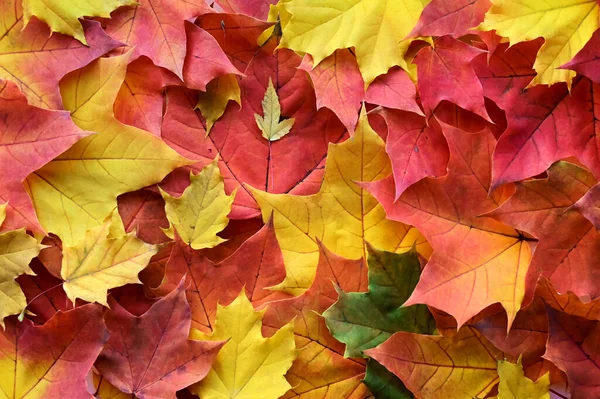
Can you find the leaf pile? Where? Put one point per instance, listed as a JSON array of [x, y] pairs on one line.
[[312, 199]]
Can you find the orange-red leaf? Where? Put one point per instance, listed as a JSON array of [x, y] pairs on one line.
[[432, 367], [476, 260]]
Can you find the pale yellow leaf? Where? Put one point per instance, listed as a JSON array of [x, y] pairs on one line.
[[100, 262], [565, 25], [201, 211], [272, 129], [248, 366], [63, 15]]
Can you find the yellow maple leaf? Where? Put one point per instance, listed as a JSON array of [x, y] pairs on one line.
[[63, 15], [201, 211], [565, 25], [272, 129], [514, 384], [213, 102], [17, 249], [79, 189], [100, 261], [248, 366], [375, 28], [342, 215]]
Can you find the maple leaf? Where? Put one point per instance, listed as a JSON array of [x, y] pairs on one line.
[[101, 261], [30, 137], [213, 102], [255, 8], [417, 148], [63, 16], [292, 164], [201, 211], [586, 61], [588, 206], [167, 48], [105, 390], [527, 336], [375, 28], [53, 360], [342, 215], [143, 211], [568, 243], [565, 26], [204, 60], [394, 90], [257, 264], [567, 302], [363, 320], [17, 249], [36, 62], [514, 384], [79, 188], [441, 17], [444, 73], [339, 87], [150, 355], [495, 269], [384, 384], [270, 124], [572, 344], [320, 371], [140, 102], [248, 359], [464, 363]]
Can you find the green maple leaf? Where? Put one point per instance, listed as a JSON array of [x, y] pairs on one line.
[[363, 320], [384, 384], [272, 129]]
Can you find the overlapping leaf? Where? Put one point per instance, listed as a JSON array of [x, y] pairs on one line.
[[79, 189]]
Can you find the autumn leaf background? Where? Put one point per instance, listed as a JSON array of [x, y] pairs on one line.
[[311, 199]]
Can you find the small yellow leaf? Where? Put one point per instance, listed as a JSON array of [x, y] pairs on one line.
[[201, 211], [272, 129], [99, 262], [17, 249], [63, 15], [514, 384], [565, 25], [213, 102], [248, 366]]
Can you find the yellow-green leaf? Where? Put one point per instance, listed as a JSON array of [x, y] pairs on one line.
[[272, 129], [248, 366], [79, 189], [565, 25], [213, 102], [514, 384], [375, 28], [63, 15], [342, 215], [201, 211], [100, 262]]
